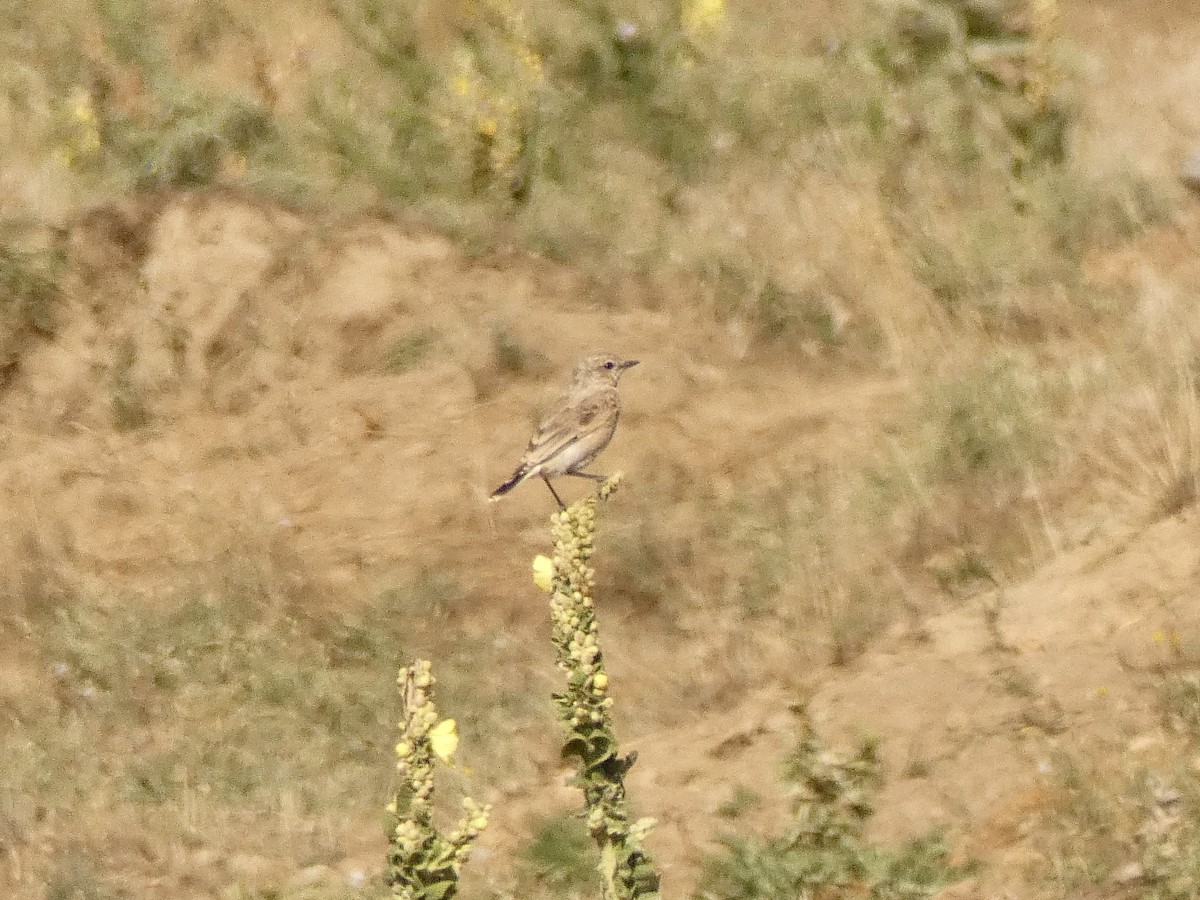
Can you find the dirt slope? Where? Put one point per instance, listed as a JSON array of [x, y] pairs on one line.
[[977, 708]]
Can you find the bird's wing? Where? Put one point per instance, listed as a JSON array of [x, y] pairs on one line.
[[575, 418]]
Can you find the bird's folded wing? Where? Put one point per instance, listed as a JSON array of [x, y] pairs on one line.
[[571, 422]]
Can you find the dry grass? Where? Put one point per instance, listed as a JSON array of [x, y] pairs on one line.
[[206, 740], [1126, 823]]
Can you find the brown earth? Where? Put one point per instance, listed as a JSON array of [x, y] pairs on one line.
[[260, 345]]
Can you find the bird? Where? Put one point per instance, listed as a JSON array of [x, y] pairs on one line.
[[581, 425]]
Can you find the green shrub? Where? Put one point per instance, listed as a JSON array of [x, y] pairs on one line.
[[823, 849], [29, 289]]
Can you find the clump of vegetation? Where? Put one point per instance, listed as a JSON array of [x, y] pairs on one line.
[[1181, 704], [409, 351], [29, 296], [823, 850], [1135, 826], [1169, 840], [194, 142], [131, 406], [990, 69], [136, 121], [386, 133], [1169, 835], [29, 289], [562, 855]]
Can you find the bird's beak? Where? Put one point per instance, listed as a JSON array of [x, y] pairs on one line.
[[629, 363]]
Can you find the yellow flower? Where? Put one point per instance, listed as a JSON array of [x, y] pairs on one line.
[[461, 85], [84, 140], [82, 109], [701, 17], [543, 572], [532, 62], [443, 738]]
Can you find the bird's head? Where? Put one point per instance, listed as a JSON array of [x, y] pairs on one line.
[[605, 368]]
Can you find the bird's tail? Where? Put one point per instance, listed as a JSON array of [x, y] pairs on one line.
[[517, 477]]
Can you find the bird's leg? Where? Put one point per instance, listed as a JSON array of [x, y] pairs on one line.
[[546, 479], [597, 478]]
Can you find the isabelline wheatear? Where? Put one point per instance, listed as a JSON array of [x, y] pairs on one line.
[[580, 426]]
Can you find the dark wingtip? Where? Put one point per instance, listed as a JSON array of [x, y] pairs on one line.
[[512, 482]]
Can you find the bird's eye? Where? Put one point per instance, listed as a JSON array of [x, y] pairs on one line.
[[610, 365]]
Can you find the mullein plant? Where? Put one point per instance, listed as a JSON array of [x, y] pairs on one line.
[[1041, 130], [424, 864], [496, 92], [1045, 23], [585, 707]]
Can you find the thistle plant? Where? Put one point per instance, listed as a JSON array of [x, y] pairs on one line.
[[424, 864], [585, 707]]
